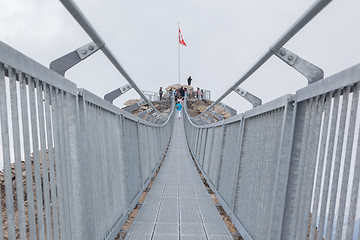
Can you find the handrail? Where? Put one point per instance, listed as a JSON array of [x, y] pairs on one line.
[[76, 12], [307, 16]]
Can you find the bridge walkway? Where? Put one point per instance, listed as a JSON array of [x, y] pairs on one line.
[[178, 205]]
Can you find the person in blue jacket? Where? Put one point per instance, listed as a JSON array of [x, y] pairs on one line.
[[178, 107]]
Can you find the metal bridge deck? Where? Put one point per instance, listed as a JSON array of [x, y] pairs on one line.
[[178, 205]]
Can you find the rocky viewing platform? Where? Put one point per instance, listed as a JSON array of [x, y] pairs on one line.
[[195, 105]]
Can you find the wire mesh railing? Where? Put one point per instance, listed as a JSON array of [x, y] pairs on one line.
[[74, 165], [289, 169]]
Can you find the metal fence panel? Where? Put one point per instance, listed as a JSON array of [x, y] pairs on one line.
[[63, 170], [202, 147], [208, 147], [197, 141], [282, 171], [17, 154], [229, 162], [200, 143], [131, 147], [216, 155], [51, 156], [258, 163], [144, 159], [151, 150], [104, 170], [6, 157]]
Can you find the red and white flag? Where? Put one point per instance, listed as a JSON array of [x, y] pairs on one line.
[[181, 39]]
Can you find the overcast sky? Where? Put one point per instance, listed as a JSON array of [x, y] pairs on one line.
[[224, 39]]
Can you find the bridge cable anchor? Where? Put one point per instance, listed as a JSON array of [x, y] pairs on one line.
[[212, 120], [135, 106], [111, 96], [312, 72], [255, 101], [64, 63], [216, 114], [230, 110]]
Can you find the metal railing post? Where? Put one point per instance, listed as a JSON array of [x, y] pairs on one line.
[[282, 174], [87, 167], [73, 165]]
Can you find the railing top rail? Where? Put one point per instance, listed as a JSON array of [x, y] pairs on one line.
[[334, 82], [92, 98], [26, 65], [272, 105], [307, 16], [75, 11]]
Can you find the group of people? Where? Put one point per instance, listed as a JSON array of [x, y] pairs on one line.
[[179, 95], [199, 94]]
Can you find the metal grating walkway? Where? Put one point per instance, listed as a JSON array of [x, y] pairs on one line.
[[178, 205]]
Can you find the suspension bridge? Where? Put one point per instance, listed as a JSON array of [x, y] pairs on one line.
[[75, 165]]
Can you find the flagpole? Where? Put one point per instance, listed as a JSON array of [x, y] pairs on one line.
[[179, 49]]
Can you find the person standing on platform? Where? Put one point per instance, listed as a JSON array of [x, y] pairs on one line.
[[182, 92], [161, 93], [189, 80], [170, 93]]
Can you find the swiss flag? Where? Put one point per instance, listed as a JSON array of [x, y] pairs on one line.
[[181, 39]]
